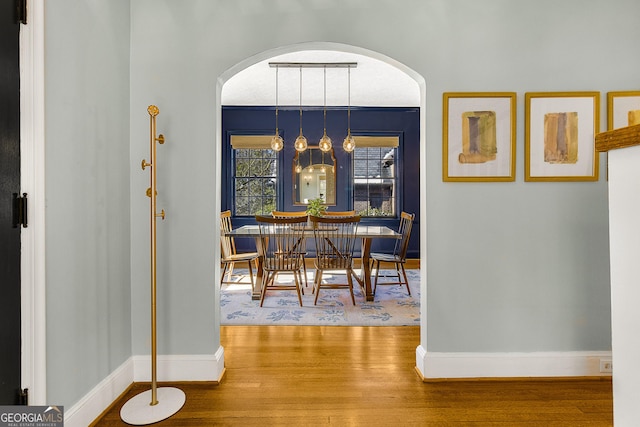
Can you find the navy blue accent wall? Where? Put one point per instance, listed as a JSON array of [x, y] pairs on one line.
[[403, 122]]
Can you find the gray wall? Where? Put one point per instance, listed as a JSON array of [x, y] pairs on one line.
[[88, 271], [533, 277]]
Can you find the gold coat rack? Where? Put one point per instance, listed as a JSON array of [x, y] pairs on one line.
[[156, 404]]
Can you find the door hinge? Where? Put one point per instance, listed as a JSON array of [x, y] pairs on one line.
[[21, 6], [20, 210], [23, 399]]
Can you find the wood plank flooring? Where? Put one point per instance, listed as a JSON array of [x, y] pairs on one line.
[[365, 376]]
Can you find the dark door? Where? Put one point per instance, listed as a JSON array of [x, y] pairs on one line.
[[9, 184]]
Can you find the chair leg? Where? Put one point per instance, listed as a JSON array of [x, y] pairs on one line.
[[406, 280], [376, 264], [350, 281], [253, 284], [304, 268], [397, 266], [298, 275], [224, 273], [231, 265], [298, 287], [265, 284], [315, 282], [318, 280]]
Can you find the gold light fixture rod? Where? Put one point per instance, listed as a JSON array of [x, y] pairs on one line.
[[313, 64]]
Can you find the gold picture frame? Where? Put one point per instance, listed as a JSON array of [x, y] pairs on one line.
[[478, 136], [623, 109], [560, 129]]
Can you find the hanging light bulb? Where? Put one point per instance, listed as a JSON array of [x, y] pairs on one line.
[[277, 143], [349, 143], [301, 141], [298, 168], [325, 141]]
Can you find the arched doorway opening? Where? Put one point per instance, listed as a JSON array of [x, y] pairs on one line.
[[417, 80]]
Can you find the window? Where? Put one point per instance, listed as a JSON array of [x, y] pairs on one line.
[[255, 187], [374, 176]]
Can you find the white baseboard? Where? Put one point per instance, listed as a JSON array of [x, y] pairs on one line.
[[504, 365], [138, 369], [87, 409], [206, 367]]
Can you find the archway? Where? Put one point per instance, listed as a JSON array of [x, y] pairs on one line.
[[324, 46]]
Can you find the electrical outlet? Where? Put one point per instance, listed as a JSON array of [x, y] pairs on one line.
[[606, 366]]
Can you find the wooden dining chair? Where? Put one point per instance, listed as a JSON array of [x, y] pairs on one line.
[[228, 255], [296, 214], [339, 213], [335, 238], [288, 214], [399, 255], [282, 240]]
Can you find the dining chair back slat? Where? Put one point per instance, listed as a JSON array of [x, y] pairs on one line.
[[282, 241], [399, 255], [404, 229], [228, 255], [227, 244], [335, 238], [303, 243]]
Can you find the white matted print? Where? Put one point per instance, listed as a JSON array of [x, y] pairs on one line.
[[560, 136], [479, 136], [623, 109]]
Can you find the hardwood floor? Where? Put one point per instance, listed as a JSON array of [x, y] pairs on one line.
[[357, 376]]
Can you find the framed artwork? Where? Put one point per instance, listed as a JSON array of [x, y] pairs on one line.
[[623, 109], [560, 129], [479, 136]]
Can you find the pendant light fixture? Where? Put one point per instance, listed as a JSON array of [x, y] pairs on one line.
[[325, 144], [301, 142], [325, 141], [349, 143], [277, 142]]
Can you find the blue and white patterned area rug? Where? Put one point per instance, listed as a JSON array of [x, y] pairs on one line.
[[392, 305]]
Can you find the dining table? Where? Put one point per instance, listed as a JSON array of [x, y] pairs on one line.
[[366, 233]]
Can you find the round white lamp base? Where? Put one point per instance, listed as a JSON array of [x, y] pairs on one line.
[[139, 411]]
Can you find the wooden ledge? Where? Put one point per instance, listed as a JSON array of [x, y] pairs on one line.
[[619, 138]]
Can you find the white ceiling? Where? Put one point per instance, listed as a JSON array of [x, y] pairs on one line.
[[373, 83]]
